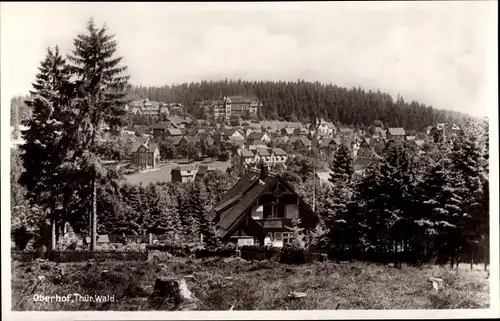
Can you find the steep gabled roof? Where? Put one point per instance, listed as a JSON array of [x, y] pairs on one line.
[[174, 139], [336, 141], [324, 177], [192, 139], [279, 152], [263, 152], [152, 147], [326, 142], [138, 143], [174, 131], [242, 196], [256, 136], [178, 119], [246, 153], [184, 168], [419, 142], [237, 142], [165, 125]]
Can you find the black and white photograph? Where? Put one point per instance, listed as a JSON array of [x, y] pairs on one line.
[[186, 158]]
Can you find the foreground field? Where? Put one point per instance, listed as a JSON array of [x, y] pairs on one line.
[[249, 286]]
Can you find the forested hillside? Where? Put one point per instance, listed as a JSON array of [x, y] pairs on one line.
[[303, 100]]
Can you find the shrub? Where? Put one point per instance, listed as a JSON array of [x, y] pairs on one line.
[[21, 237], [293, 255]]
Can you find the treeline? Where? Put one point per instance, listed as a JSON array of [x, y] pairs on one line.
[[18, 110], [408, 206], [302, 100], [72, 97]]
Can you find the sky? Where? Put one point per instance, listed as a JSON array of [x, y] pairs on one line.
[[442, 54]]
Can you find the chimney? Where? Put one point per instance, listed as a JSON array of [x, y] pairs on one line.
[[264, 170]]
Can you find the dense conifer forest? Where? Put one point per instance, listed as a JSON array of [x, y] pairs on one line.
[[302, 100]]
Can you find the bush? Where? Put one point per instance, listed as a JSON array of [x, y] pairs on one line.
[[292, 255], [21, 237]]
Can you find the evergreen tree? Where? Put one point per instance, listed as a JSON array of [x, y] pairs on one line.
[[442, 211], [342, 165], [468, 170], [101, 91], [195, 204], [46, 139], [187, 220], [207, 229]]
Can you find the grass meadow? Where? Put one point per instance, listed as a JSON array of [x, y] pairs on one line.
[[219, 285]]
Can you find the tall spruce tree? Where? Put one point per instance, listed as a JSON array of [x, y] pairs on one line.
[[101, 92], [46, 137], [441, 209], [342, 165], [468, 169]]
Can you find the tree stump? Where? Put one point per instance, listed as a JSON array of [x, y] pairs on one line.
[[175, 290]]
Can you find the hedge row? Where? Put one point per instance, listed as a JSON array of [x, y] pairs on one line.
[[79, 256]]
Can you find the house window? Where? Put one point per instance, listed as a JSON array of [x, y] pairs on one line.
[[267, 211], [280, 211], [286, 237], [277, 236]]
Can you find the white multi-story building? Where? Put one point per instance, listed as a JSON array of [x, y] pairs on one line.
[[237, 106], [146, 107]]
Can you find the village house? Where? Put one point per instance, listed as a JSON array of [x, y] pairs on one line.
[[181, 121], [324, 128], [258, 143], [252, 156], [288, 131], [278, 156], [255, 136], [244, 158], [280, 140], [203, 171], [226, 134], [207, 138], [410, 138], [441, 125], [328, 147], [259, 209], [379, 132], [175, 140], [226, 107], [183, 174], [146, 107], [173, 132], [145, 154], [303, 142], [160, 129], [365, 149], [262, 154], [247, 130], [301, 132], [194, 140], [396, 133]]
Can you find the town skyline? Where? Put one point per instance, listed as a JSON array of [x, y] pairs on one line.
[[423, 51]]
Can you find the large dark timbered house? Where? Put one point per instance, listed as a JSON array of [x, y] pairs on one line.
[[260, 208]]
